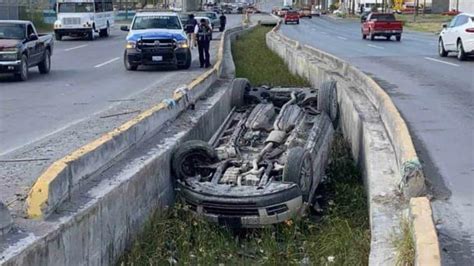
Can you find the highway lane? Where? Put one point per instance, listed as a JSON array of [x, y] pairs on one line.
[[435, 96], [86, 78]]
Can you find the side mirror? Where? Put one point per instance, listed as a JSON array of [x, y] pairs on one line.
[[32, 37], [124, 28], [445, 25]]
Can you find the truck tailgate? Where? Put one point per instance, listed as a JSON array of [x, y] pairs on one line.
[[388, 25]]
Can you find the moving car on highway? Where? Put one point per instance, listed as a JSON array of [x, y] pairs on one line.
[[21, 47], [381, 24], [156, 38], [458, 36], [83, 18], [265, 162], [292, 16]]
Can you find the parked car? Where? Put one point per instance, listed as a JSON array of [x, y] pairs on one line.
[[458, 36], [21, 47], [215, 22], [305, 12], [265, 162], [381, 24], [282, 11], [292, 16], [156, 38]]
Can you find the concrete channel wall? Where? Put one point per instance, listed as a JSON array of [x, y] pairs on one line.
[[381, 145], [93, 203]]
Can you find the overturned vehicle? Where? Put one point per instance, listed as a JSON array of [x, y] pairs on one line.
[[264, 163]]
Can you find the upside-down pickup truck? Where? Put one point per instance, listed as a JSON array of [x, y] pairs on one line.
[[381, 24], [21, 47]]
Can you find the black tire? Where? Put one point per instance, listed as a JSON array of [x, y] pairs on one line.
[[441, 51], [286, 22], [461, 53], [187, 65], [298, 169], [105, 32], [398, 38], [364, 36], [58, 37], [128, 66], [45, 66], [371, 36], [327, 100], [238, 88], [387, 37], [189, 155], [298, 22], [310, 16], [90, 36], [23, 74]]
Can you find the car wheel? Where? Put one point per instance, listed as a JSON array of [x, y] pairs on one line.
[[187, 65], [298, 169], [286, 22], [23, 74], [90, 35], [441, 51], [398, 38], [128, 66], [190, 159], [58, 37], [327, 100], [45, 66], [461, 53], [371, 36], [364, 36], [298, 22], [238, 88]]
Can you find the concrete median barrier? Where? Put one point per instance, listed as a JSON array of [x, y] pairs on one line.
[[380, 141]]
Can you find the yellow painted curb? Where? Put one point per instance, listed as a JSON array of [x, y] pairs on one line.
[[427, 251], [39, 195]]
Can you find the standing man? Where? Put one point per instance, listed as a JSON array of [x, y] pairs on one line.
[[189, 28], [203, 34], [223, 20]]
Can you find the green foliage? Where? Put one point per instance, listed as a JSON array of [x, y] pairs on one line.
[[253, 60]]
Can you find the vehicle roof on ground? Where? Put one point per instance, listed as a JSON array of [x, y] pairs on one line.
[[15, 21]]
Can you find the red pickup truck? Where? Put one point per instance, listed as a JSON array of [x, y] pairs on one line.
[[381, 24], [292, 16]]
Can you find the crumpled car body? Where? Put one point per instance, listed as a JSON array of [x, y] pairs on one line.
[[264, 163]]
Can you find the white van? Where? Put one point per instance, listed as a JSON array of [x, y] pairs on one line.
[[86, 18]]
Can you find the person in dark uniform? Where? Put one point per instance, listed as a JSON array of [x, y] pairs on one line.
[[189, 28], [223, 20], [203, 34]]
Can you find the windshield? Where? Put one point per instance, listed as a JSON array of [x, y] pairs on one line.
[[12, 31], [156, 22], [76, 7]]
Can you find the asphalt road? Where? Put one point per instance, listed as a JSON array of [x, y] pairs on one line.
[[435, 96], [86, 78]]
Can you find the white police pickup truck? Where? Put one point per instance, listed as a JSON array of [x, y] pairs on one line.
[[156, 38]]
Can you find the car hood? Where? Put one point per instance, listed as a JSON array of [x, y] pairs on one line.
[[156, 34], [8, 43]]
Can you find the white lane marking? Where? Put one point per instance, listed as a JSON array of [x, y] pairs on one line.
[[342, 38], [74, 48], [375, 46], [322, 32], [441, 61], [107, 62]]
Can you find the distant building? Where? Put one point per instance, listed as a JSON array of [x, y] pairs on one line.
[[463, 5], [9, 9]]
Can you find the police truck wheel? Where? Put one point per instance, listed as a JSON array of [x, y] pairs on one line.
[[187, 65], [128, 66]]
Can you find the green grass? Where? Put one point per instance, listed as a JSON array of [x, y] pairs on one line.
[[339, 235], [431, 23], [405, 245], [253, 60]]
